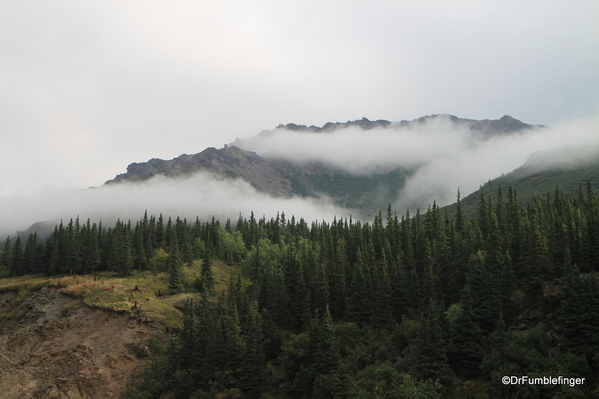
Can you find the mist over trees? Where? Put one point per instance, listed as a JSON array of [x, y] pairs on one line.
[[419, 306]]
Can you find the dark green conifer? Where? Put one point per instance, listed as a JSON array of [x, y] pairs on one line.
[[253, 365], [483, 214], [459, 215], [337, 280], [74, 247], [92, 250], [175, 282], [467, 342], [5, 260], [188, 337], [139, 253], [581, 314], [31, 260], [207, 275], [16, 258], [321, 360], [360, 302], [483, 288], [428, 359]]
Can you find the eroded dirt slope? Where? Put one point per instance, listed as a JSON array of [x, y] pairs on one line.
[[57, 347]]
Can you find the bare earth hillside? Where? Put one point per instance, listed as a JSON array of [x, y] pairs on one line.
[[57, 347]]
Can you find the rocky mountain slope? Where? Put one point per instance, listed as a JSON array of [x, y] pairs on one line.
[[284, 178]]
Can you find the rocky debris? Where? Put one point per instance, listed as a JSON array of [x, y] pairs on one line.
[[57, 347]]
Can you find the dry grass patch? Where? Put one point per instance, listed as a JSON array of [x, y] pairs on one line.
[[144, 294], [22, 287], [31, 282]]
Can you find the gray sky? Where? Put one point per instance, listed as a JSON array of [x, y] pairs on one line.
[[88, 87]]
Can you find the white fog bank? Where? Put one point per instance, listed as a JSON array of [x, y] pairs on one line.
[[446, 156], [200, 195]]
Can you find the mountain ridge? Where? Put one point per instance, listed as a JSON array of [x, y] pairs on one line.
[[284, 178], [505, 124]]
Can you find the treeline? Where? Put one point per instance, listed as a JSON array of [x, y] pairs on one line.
[[403, 307], [76, 248]]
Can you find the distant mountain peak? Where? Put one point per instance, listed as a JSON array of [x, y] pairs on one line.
[[363, 123], [506, 124], [282, 177]]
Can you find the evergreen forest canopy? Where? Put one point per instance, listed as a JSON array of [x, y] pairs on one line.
[[421, 306]]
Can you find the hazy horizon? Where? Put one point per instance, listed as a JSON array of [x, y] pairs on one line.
[[445, 157], [90, 87]]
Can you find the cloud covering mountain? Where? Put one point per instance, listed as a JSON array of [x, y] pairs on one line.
[[444, 154], [201, 195], [439, 154]]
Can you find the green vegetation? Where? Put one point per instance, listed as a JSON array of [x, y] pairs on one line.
[[367, 192], [29, 282], [145, 291], [529, 184], [414, 306]]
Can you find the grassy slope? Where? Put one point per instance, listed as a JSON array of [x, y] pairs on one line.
[[528, 184], [120, 294]]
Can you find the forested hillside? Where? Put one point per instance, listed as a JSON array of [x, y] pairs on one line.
[[414, 306], [569, 169]]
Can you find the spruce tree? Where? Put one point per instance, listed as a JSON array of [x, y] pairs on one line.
[[16, 258], [207, 275], [581, 314], [360, 302], [188, 336], [428, 359], [337, 280], [139, 253], [321, 360], [126, 255], [30, 255], [175, 283], [467, 342], [5, 260], [383, 311], [74, 248], [483, 288], [253, 365], [230, 343], [92, 258]]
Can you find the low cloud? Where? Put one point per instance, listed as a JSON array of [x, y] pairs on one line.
[[469, 168], [364, 151], [445, 155], [200, 195]]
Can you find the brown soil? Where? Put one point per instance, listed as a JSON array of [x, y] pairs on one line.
[[56, 347]]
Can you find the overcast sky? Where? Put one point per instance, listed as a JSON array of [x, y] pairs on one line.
[[88, 87]]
